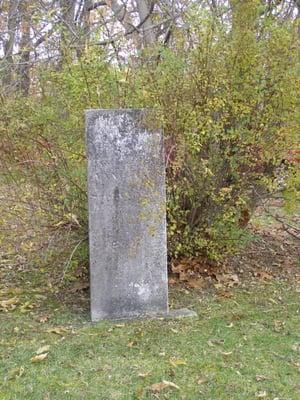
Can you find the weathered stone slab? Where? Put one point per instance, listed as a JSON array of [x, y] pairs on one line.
[[170, 314], [127, 217]]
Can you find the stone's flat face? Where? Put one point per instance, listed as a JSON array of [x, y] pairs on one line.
[[127, 217]]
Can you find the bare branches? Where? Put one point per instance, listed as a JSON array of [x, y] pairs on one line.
[[97, 5], [66, 28]]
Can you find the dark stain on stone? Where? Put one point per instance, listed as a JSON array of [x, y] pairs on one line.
[[116, 195]]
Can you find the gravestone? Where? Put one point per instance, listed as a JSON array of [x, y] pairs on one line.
[[127, 216]]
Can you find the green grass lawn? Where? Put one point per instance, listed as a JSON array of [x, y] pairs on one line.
[[243, 347]]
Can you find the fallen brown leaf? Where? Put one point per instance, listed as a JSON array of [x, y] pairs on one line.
[[43, 319], [143, 375], [132, 344], [227, 279], [212, 342], [42, 349], [278, 326], [195, 283], [176, 362], [183, 276], [260, 378], [179, 267], [59, 330], [225, 294], [39, 357], [27, 307], [219, 286], [261, 395], [9, 305], [16, 373], [265, 276], [226, 353], [296, 347], [202, 380], [158, 387], [79, 286]]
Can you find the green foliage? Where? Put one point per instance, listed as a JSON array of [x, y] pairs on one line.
[[228, 105], [229, 110]]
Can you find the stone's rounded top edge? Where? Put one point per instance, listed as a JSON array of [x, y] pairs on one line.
[[136, 117], [107, 111]]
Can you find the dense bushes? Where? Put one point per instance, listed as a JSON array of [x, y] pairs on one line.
[[227, 102], [231, 110]]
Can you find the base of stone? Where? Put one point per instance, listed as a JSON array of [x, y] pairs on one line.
[[181, 313], [171, 314]]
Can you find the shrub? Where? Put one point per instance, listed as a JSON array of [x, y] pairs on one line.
[[228, 105], [230, 111]]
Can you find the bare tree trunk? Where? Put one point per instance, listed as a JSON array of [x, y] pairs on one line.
[[145, 9], [297, 3], [12, 25], [121, 14], [68, 32], [83, 23], [23, 83]]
